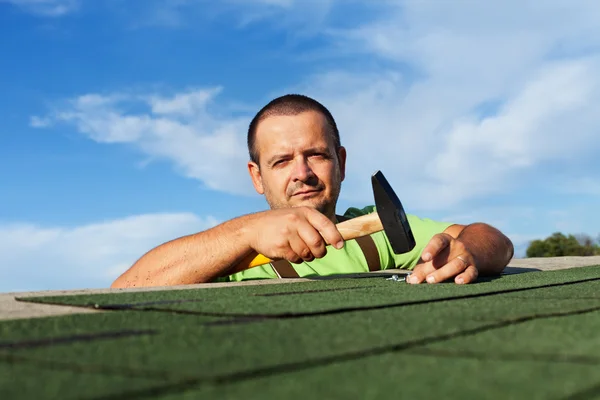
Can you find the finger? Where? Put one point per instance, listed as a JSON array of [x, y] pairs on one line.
[[470, 275], [326, 228], [436, 244], [296, 249], [450, 270], [313, 241], [419, 273], [300, 251]]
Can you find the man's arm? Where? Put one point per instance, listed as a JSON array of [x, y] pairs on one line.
[[490, 248], [195, 258], [463, 252], [296, 234]]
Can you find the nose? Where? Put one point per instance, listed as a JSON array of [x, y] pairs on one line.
[[302, 171]]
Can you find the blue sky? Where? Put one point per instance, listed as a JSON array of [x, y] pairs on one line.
[[124, 121]]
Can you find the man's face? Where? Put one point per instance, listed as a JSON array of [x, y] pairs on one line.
[[298, 163]]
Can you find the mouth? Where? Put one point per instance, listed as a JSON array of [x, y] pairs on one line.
[[304, 193]]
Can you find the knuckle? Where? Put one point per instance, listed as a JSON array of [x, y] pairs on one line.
[[292, 218], [306, 253], [284, 231], [281, 243], [320, 253], [316, 241], [293, 257]]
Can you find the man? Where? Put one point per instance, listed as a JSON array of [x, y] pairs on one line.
[[298, 164]]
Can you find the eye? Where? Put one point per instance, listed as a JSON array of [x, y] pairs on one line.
[[280, 162]]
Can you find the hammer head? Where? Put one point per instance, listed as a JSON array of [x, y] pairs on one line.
[[392, 216]]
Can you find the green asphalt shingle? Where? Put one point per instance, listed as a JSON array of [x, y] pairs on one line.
[[532, 335], [321, 296]]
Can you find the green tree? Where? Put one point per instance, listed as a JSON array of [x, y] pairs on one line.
[[559, 245], [589, 248]]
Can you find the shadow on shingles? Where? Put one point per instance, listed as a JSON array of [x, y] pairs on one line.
[[592, 392], [310, 291], [521, 356], [87, 337], [507, 271], [358, 275], [518, 270], [136, 305], [388, 273]]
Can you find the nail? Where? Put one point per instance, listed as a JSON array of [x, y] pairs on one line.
[[460, 280], [426, 256], [339, 245], [430, 279]]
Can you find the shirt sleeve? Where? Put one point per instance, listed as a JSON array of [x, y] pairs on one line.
[[264, 271]]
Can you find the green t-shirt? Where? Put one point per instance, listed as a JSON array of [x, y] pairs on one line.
[[350, 258]]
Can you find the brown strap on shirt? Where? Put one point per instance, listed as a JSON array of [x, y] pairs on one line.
[[369, 249], [284, 269]]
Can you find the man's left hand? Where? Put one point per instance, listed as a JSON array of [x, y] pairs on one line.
[[445, 257]]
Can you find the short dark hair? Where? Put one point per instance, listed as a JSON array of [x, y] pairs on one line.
[[290, 104]]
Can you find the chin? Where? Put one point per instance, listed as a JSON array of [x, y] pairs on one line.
[[307, 203]]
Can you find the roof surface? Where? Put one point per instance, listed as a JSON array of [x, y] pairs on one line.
[[527, 334]]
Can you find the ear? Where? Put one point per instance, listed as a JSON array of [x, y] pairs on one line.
[[342, 160], [254, 171]]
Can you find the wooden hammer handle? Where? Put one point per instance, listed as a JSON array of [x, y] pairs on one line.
[[349, 229], [360, 226]]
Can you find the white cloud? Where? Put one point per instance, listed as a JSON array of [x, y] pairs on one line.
[[456, 101], [471, 97], [37, 122], [548, 120], [297, 17], [90, 256], [178, 129], [183, 103], [46, 8]]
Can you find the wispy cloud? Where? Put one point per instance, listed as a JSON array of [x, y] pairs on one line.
[[90, 256], [295, 17], [466, 98], [484, 156], [46, 8], [438, 156], [177, 128], [454, 102]]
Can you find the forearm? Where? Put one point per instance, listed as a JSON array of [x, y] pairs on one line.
[[196, 258], [491, 249]]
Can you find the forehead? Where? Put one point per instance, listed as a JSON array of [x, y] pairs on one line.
[[285, 132]]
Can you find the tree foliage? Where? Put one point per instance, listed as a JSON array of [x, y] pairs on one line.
[[558, 245]]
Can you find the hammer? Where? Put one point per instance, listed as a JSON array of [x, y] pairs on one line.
[[388, 217]]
